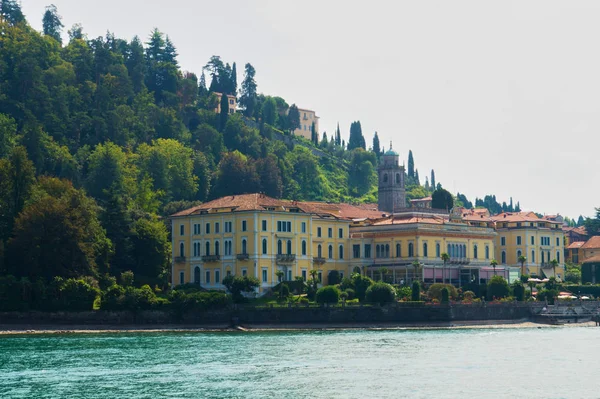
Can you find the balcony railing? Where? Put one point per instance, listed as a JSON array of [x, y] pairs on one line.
[[319, 260], [211, 258], [289, 258], [243, 256], [179, 259]]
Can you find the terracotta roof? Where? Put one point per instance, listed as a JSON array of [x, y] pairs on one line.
[[421, 199], [576, 245], [517, 217], [593, 259], [578, 230], [592, 243], [413, 219], [261, 202]]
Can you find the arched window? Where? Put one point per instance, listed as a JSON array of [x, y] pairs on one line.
[[319, 251], [558, 256], [279, 247], [341, 252], [331, 252], [437, 250], [487, 252], [289, 247], [207, 248], [303, 247], [264, 246], [503, 257], [387, 250], [411, 250], [217, 248], [543, 257], [377, 251], [474, 251], [385, 178], [464, 254], [397, 178], [449, 251], [519, 253], [425, 249], [398, 251], [196, 275], [244, 246], [181, 249], [532, 256]]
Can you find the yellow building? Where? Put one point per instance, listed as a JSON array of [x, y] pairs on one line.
[[539, 240], [232, 103], [307, 118]]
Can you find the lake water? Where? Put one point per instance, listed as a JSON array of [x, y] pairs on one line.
[[470, 363]]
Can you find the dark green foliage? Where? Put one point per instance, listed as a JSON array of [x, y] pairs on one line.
[[238, 286], [52, 24], [293, 118], [592, 225], [547, 295], [465, 202], [435, 291], [380, 293], [351, 294], [411, 166], [333, 277], [376, 145], [77, 295], [497, 288], [283, 293], [442, 199], [329, 294], [445, 295], [248, 98], [224, 112], [11, 11], [416, 291], [356, 139], [518, 290], [432, 182], [361, 284]]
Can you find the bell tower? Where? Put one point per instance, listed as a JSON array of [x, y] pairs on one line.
[[392, 194]]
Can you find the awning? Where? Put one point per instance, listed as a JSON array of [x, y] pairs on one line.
[[548, 272]]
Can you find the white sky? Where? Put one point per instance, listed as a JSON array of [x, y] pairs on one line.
[[498, 97]]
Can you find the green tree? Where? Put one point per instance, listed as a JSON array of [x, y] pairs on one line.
[[497, 288], [432, 182], [416, 291], [356, 139], [376, 145], [411, 166], [270, 176], [235, 167], [269, 111], [328, 295], [151, 250], [293, 117], [442, 199], [224, 115], [494, 263], [445, 258], [522, 259], [10, 10], [52, 23], [8, 135], [248, 98], [380, 293]]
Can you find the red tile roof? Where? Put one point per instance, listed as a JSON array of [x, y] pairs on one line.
[[592, 243], [593, 259], [576, 245], [517, 217]]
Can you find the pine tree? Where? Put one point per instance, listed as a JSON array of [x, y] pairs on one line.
[[432, 179], [170, 52], [52, 23], [324, 141], [376, 147], [417, 177], [338, 135], [10, 10], [202, 90], [411, 165], [248, 96]]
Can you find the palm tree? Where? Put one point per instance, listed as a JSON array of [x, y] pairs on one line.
[[522, 259], [416, 265], [494, 263], [382, 272], [279, 275], [554, 263], [445, 258]]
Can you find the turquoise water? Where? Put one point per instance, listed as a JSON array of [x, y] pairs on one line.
[[475, 363]]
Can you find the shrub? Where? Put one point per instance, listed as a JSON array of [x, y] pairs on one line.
[[548, 295], [77, 295], [127, 278], [346, 284], [435, 291], [304, 300], [416, 291], [497, 288], [328, 294], [380, 293], [351, 294], [237, 285], [518, 290], [468, 296], [333, 277], [404, 292], [360, 285], [445, 295], [343, 296]]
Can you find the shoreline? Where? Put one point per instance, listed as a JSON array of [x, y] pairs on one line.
[[12, 330]]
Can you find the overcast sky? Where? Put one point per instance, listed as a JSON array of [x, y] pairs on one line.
[[497, 97]]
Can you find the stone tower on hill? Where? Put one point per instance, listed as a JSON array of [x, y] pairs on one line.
[[392, 194]]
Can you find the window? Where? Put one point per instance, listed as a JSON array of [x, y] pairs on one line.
[[385, 178], [228, 273], [207, 248], [411, 250], [195, 249], [377, 251], [367, 250], [230, 101], [279, 247], [303, 248], [438, 250], [244, 225], [318, 232], [181, 278], [558, 256], [487, 252], [557, 242], [304, 274], [244, 272], [196, 229], [181, 249], [217, 228], [289, 247], [285, 227], [331, 252], [264, 275], [503, 257], [425, 249], [387, 250], [217, 277], [228, 226], [518, 240], [398, 251], [231, 110], [264, 225], [356, 251], [532, 240], [320, 276], [397, 178], [340, 233], [181, 229], [532, 256], [304, 227], [519, 253], [502, 240], [207, 228], [330, 232], [217, 252], [244, 246], [289, 275], [264, 246], [196, 275], [474, 251], [341, 252], [207, 277], [319, 251]]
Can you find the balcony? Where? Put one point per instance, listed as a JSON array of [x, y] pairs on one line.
[[243, 256], [286, 259], [319, 260], [459, 261], [211, 258], [180, 259]]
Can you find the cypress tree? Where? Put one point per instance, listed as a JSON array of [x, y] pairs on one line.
[[248, 95], [233, 80], [224, 111], [432, 179], [411, 165], [376, 146], [338, 136], [417, 177], [356, 139]]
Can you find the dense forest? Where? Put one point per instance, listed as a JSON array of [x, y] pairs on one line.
[[102, 138]]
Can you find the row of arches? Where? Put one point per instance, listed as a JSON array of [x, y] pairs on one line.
[[330, 251]]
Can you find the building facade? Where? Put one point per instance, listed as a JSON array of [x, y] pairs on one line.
[[232, 103], [307, 118]]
